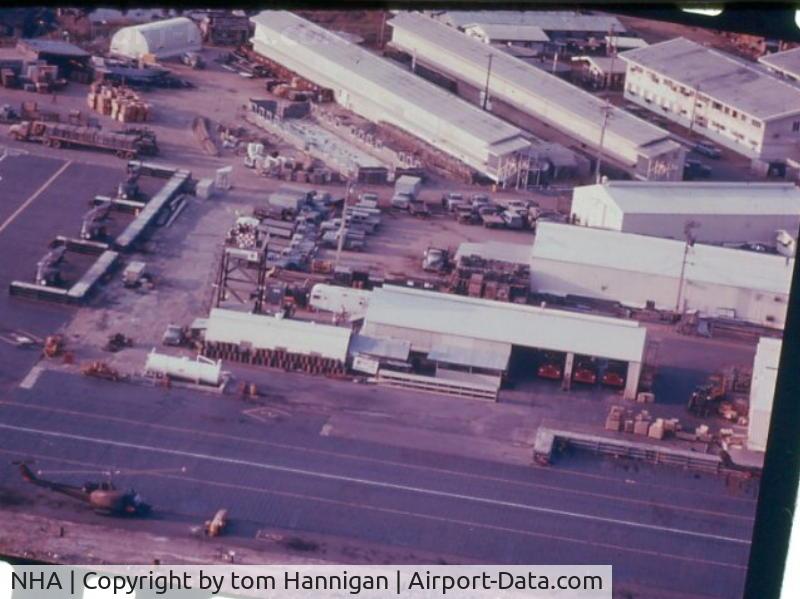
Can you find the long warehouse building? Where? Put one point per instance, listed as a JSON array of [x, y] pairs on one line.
[[715, 212], [456, 332], [382, 91], [664, 274], [732, 102], [639, 146]]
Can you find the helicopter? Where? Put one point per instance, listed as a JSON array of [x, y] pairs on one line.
[[103, 497]]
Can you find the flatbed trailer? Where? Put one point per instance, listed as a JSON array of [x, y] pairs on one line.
[[57, 135]]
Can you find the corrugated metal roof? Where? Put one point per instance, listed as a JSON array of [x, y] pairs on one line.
[[517, 33], [787, 62], [626, 42], [392, 349], [454, 48], [731, 81], [707, 197], [662, 257], [53, 47], [604, 64], [500, 322], [549, 20], [268, 332], [496, 359], [514, 253], [315, 52]]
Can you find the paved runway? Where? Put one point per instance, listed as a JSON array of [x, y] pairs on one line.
[[656, 526], [39, 199]]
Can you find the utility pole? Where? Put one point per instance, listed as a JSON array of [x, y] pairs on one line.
[[383, 28], [689, 242], [486, 88], [606, 112], [342, 228]]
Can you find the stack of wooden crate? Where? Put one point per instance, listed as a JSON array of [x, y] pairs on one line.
[[120, 103]]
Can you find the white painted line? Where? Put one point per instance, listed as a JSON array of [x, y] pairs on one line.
[[472, 525], [35, 195], [30, 379], [417, 467], [380, 484]]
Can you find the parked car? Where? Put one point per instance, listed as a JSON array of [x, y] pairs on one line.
[[467, 216], [401, 201], [694, 169], [708, 149], [585, 371], [550, 367], [419, 209], [614, 376], [481, 199], [451, 200]]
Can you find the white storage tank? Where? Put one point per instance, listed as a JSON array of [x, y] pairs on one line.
[[200, 370]]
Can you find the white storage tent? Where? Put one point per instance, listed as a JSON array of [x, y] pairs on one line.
[[162, 39]]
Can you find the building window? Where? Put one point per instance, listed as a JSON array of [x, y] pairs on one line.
[[734, 113], [796, 126], [756, 124], [716, 105]]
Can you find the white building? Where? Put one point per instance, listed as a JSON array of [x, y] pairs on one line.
[[762, 392], [382, 91], [632, 142], [529, 36], [558, 24], [619, 43], [258, 331], [734, 103], [722, 212], [785, 64], [665, 274], [162, 39], [483, 334]]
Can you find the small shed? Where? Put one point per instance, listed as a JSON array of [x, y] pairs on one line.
[[69, 58], [162, 39], [602, 71]]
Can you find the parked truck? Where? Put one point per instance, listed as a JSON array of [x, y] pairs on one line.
[[406, 189], [126, 145]]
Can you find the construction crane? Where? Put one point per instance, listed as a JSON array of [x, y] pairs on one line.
[[47, 271]]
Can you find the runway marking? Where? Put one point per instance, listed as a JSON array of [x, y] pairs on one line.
[[33, 196], [381, 484], [407, 513], [618, 498], [30, 379], [467, 523]]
